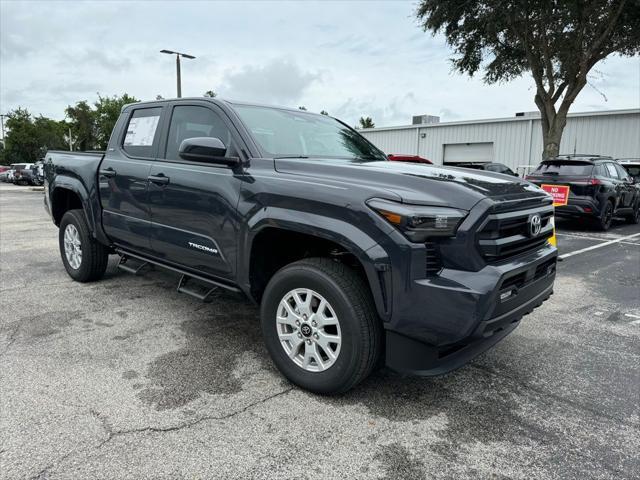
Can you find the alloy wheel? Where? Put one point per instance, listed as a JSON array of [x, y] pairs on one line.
[[308, 330], [72, 246]]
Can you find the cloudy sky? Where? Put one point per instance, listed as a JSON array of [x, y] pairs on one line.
[[350, 58]]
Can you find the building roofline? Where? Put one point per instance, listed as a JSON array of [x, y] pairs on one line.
[[627, 111]]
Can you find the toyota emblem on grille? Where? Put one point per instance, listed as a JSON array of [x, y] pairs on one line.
[[535, 225]]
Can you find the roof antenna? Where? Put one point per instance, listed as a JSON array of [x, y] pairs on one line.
[[575, 145]]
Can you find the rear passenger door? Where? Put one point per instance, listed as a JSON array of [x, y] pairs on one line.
[[618, 184], [122, 179], [193, 205], [627, 186]]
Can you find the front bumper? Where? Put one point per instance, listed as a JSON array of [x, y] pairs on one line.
[[446, 321]]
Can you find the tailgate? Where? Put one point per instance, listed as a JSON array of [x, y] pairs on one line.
[[578, 185]]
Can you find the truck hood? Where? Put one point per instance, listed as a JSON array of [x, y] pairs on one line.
[[416, 183]]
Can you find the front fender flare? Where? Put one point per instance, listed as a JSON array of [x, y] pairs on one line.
[[372, 256]]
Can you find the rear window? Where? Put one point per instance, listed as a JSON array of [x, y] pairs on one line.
[[142, 132], [564, 168], [634, 170]]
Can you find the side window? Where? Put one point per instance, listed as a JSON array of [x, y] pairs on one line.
[[622, 173], [189, 121], [142, 132], [600, 171], [611, 170]]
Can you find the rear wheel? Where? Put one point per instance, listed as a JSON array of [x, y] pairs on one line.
[[83, 257], [634, 217], [606, 217], [320, 325]]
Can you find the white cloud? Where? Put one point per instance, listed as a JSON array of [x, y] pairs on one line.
[[279, 81], [350, 58]]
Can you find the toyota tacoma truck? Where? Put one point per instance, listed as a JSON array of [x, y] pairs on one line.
[[355, 261]]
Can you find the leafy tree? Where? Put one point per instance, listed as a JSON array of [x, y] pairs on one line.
[[82, 120], [50, 134], [21, 144], [366, 122], [324, 112], [27, 139], [210, 93], [107, 111], [556, 41], [302, 107]]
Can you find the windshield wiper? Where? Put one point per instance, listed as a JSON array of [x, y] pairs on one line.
[[290, 156]]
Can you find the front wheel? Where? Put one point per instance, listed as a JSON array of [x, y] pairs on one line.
[[320, 325], [83, 257]]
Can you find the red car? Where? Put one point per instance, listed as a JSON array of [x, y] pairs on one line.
[[408, 158]]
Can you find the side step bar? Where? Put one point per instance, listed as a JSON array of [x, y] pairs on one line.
[[200, 287], [135, 270], [204, 292]]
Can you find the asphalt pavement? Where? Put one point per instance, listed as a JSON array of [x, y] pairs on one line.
[[126, 378]]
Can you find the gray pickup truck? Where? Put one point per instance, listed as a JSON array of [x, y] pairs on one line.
[[355, 261]]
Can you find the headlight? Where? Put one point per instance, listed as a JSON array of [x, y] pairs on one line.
[[419, 222]]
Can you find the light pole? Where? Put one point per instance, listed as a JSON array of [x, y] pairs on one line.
[[2, 122], [178, 55]]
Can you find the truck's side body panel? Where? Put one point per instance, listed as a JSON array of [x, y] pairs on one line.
[[193, 204], [123, 179]]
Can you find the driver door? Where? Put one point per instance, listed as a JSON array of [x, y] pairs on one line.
[[193, 204]]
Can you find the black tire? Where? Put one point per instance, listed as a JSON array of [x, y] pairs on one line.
[[360, 326], [634, 218], [94, 255], [606, 217]]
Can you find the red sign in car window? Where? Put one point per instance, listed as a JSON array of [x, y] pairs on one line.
[[560, 193]]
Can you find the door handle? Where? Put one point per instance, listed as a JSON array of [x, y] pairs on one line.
[[109, 172], [159, 179]]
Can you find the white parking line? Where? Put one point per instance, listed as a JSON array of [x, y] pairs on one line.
[[600, 245], [584, 237], [633, 322]]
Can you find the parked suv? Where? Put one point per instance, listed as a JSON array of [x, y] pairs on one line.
[[395, 157], [599, 187], [22, 173], [490, 167], [350, 256]]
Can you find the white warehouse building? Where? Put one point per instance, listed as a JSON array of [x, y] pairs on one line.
[[515, 141]]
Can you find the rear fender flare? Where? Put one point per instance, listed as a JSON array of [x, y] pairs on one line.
[[75, 186]]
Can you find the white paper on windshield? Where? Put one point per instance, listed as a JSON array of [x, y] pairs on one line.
[[141, 131]]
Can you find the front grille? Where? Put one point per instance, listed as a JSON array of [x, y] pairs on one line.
[[508, 234], [434, 261]]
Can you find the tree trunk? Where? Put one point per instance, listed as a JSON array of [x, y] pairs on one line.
[[553, 124], [554, 135]]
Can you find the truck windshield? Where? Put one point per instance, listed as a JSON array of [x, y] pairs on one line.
[[292, 134], [564, 168]]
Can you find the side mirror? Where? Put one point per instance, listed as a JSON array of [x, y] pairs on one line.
[[206, 149]]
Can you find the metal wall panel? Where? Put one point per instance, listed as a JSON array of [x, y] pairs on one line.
[[517, 141]]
